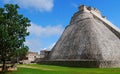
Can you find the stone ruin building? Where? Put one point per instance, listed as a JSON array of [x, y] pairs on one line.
[[90, 40], [44, 54], [31, 57]]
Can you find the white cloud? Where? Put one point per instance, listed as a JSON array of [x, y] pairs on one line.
[[41, 5], [49, 47], [40, 31], [74, 5], [37, 33], [6, 1], [33, 44]]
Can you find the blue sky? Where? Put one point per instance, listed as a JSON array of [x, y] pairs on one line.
[[50, 17]]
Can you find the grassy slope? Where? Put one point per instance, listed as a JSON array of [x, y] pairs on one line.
[[45, 69]]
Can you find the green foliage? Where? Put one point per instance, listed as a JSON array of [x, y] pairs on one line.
[[13, 30], [21, 53]]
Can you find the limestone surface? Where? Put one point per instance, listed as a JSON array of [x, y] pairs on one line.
[[87, 38]]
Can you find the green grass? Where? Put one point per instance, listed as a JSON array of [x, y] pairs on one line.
[[47, 69]]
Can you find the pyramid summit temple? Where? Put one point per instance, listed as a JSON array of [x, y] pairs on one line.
[[90, 40]]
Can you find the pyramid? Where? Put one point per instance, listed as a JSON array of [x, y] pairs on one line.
[[90, 40]]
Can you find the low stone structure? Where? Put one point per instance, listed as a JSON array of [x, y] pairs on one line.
[[90, 40], [44, 54], [31, 57]]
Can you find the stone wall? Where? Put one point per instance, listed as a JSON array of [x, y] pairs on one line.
[[83, 64]]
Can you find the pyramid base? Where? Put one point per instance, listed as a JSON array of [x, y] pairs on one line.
[[84, 64]]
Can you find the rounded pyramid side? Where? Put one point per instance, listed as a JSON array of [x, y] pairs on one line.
[[87, 39], [78, 41]]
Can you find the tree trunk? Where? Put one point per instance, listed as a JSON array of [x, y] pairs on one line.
[[4, 67]]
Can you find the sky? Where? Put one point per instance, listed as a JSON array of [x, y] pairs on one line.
[[50, 17]]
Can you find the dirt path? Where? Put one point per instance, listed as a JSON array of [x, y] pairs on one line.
[[34, 67]]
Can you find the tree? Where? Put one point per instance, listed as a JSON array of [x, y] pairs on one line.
[[21, 53], [13, 30]]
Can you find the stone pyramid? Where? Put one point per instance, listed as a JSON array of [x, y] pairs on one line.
[[90, 39]]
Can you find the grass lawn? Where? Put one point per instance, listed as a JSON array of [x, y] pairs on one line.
[[48, 69]]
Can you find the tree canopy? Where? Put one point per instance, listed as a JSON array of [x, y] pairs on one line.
[[13, 30]]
